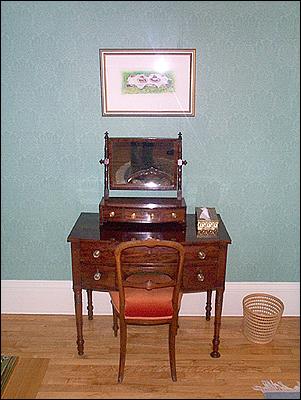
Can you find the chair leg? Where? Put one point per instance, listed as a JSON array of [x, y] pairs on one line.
[[123, 339], [172, 351], [115, 321]]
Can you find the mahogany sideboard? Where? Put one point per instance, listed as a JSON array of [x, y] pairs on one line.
[[93, 264]]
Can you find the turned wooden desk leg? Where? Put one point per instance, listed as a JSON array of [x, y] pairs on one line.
[[217, 322], [90, 304], [115, 321], [208, 305], [79, 320]]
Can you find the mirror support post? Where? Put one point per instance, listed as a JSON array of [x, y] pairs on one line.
[[106, 163]]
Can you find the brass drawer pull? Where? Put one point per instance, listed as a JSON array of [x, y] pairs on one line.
[[97, 276], [174, 215], [152, 216], [200, 277], [201, 255], [112, 214], [133, 216], [96, 253]]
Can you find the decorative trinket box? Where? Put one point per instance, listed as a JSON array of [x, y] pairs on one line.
[[207, 221]]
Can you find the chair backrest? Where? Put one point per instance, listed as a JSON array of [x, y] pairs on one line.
[[148, 265]]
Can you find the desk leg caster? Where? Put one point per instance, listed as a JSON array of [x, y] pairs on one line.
[[215, 354]]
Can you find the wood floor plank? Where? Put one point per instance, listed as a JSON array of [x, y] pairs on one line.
[[26, 379], [49, 342]]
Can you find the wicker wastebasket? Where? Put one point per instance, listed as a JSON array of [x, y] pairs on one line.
[[261, 316]]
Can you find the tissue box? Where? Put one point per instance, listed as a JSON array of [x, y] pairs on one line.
[[205, 225]]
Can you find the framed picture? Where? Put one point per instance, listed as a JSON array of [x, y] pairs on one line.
[[141, 82]]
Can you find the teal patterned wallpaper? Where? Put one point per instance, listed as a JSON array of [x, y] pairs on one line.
[[242, 147]]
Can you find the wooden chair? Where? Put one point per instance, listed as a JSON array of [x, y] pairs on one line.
[[149, 275]]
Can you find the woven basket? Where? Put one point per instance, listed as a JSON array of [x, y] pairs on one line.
[[261, 316]]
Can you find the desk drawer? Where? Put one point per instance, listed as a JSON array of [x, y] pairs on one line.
[[149, 256], [98, 277], [94, 253], [198, 277], [155, 216], [204, 254], [112, 213], [142, 214]]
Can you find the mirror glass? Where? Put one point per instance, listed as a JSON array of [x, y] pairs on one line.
[[146, 164]]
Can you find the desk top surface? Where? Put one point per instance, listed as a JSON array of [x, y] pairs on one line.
[[87, 228]]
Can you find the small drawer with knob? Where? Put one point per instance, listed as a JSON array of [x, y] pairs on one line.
[[173, 215], [138, 215], [198, 277], [94, 277], [92, 253], [112, 214], [204, 254]]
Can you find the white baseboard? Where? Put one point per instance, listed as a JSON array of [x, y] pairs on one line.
[[56, 297]]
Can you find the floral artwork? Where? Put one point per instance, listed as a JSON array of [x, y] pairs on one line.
[[147, 82]]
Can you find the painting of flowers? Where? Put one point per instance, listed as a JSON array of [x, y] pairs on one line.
[[143, 82]]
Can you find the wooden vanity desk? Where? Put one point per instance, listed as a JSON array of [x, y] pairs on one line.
[[93, 264], [148, 164]]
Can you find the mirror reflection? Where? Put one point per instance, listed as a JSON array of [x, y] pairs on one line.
[[143, 164]]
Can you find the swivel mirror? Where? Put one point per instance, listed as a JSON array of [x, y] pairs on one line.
[[149, 164]]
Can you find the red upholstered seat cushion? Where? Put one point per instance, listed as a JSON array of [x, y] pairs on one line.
[[142, 303]]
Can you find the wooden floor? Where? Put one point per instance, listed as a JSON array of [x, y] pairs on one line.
[[49, 367]]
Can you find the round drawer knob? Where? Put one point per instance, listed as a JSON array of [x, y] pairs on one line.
[[174, 215], [133, 216], [96, 253], [97, 276], [200, 277], [112, 214], [201, 255]]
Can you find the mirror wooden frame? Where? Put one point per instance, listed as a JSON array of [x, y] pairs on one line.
[[175, 147]]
